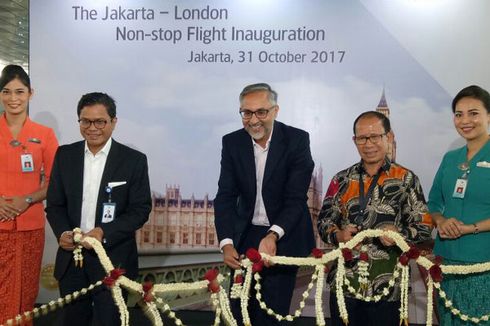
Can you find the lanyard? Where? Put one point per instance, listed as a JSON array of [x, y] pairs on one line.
[[364, 198]]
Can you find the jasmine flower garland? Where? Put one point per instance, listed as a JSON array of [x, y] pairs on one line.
[[115, 279]]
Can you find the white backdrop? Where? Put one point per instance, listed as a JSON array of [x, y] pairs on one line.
[[175, 107]]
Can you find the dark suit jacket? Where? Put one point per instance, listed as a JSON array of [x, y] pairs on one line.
[[133, 202], [286, 180]]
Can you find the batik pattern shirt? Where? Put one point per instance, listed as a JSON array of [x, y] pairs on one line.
[[397, 200]]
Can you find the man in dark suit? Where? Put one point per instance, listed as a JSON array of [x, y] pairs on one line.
[[261, 202], [102, 187]]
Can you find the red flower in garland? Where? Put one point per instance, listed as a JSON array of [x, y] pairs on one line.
[[239, 279], [438, 260], [413, 253], [257, 267], [347, 254], [211, 276], [147, 295], [364, 256], [253, 255], [116, 272], [436, 273], [111, 279], [404, 259], [213, 286], [317, 253]]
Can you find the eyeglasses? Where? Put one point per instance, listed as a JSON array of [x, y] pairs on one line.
[[260, 113], [99, 123], [362, 140]]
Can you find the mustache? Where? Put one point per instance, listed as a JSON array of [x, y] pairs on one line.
[[257, 124]]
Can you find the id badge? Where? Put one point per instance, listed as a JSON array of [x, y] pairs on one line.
[[108, 212], [27, 162], [460, 188]]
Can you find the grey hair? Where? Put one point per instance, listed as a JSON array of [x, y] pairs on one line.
[[272, 94]]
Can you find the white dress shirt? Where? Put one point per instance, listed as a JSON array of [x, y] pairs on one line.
[[260, 215], [93, 167]]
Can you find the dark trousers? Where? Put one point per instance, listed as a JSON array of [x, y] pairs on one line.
[[381, 313], [277, 286], [97, 307]]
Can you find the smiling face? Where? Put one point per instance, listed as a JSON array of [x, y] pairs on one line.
[[372, 153], [96, 138], [259, 129], [471, 119], [15, 97]]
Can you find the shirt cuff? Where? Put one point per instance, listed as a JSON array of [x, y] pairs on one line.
[[279, 230], [225, 242]]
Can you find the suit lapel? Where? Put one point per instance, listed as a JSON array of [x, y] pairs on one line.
[[110, 167], [77, 184], [248, 159], [276, 150]]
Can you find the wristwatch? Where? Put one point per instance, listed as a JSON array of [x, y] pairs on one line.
[[29, 200]]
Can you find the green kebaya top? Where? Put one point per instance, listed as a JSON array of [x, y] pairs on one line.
[[474, 207]]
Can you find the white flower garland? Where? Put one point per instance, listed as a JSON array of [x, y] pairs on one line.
[[377, 297], [404, 295], [215, 302], [50, 306], [456, 312], [244, 297], [430, 303], [77, 252], [225, 308], [363, 276], [121, 305], [320, 317], [271, 312], [339, 280], [236, 288], [150, 310], [221, 301]]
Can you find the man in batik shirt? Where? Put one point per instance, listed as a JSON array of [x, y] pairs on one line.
[[390, 198]]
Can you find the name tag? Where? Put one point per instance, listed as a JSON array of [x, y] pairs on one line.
[[460, 188], [27, 162], [108, 212]]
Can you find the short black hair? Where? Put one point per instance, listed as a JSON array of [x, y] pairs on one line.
[[475, 92], [12, 72], [97, 98], [258, 88], [384, 120]]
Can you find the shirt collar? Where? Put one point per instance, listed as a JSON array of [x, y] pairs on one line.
[[105, 150], [384, 168]]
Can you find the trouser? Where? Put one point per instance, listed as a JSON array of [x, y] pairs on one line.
[[96, 307]]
